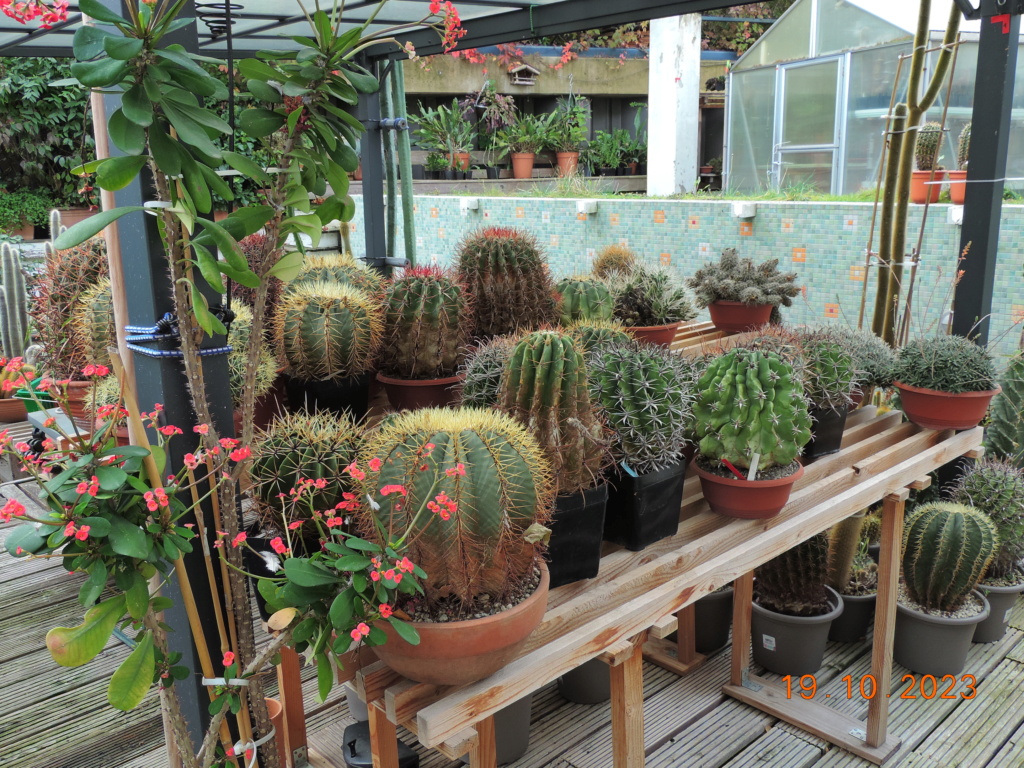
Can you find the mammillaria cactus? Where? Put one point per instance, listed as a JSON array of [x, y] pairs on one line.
[[341, 268], [591, 333], [1005, 433], [482, 370], [997, 488], [736, 279], [749, 402], [328, 331], [646, 394], [545, 387], [650, 297], [793, 583], [93, 328], [13, 303], [496, 479], [266, 368], [427, 321], [583, 299], [951, 364], [946, 549], [926, 150], [614, 260], [963, 147], [505, 273]]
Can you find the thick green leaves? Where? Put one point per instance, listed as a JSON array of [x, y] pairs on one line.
[[128, 539], [137, 596], [405, 630], [132, 680], [204, 85], [246, 167], [24, 539], [99, 12], [93, 586], [206, 319], [118, 172], [308, 574], [83, 230], [128, 136], [363, 81], [99, 74], [75, 646], [111, 478], [341, 611], [195, 183], [176, 55], [260, 122], [122, 48], [165, 149], [137, 106], [324, 676], [264, 91], [287, 267], [88, 42], [254, 69], [189, 131]]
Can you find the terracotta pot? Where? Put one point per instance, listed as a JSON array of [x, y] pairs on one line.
[[75, 400], [276, 711], [933, 409], [410, 394], [661, 335], [567, 162], [737, 317], [522, 165], [357, 174], [957, 186], [121, 436], [71, 216], [459, 161], [921, 190], [12, 409], [746, 499], [461, 652]]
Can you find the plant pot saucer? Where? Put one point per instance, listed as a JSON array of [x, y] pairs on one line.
[[746, 499], [935, 409]]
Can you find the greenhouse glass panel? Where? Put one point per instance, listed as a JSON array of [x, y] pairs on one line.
[[844, 27], [751, 121], [787, 40], [809, 109], [807, 169]]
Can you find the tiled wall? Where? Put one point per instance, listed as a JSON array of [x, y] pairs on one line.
[[823, 242]]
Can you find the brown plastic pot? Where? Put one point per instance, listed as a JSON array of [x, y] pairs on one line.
[[276, 711], [462, 652], [522, 165], [957, 186], [12, 409], [410, 394], [737, 317], [934, 409], [661, 335], [567, 162], [921, 190], [746, 499]]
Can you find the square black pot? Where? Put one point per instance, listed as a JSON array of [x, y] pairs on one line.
[[351, 394], [577, 529], [418, 174], [644, 509]]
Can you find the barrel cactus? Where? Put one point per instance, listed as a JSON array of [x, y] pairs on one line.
[[507, 277], [996, 488], [874, 361], [948, 363], [481, 372], [946, 549], [266, 368], [615, 259], [93, 326], [830, 375], [592, 333], [340, 268], [497, 481], [649, 297], [646, 395], [1005, 434], [583, 299], [13, 303], [750, 402], [545, 387], [793, 583], [426, 324], [328, 331]]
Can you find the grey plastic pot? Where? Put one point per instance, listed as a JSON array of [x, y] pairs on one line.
[[712, 621], [852, 625], [934, 645], [356, 706], [1001, 601], [589, 683], [511, 731], [792, 645]]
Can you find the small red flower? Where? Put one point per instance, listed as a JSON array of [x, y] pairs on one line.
[[82, 533], [241, 454], [13, 508], [239, 539], [201, 429], [191, 461], [361, 631], [278, 545], [385, 610], [169, 430], [375, 464], [354, 470], [229, 658], [297, 524]]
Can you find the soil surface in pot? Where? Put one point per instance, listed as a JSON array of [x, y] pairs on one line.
[[772, 473], [482, 606], [972, 607]]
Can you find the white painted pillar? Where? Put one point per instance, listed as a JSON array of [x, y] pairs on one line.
[[674, 105]]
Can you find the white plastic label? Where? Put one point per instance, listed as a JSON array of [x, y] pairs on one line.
[[768, 642]]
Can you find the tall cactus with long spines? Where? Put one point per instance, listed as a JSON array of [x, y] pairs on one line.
[[545, 387], [427, 319], [595, 332], [963, 147], [583, 298], [93, 327], [266, 367], [793, 583], [507, 277], [996, 488], [946, 549], [497, 481], [646, 394], [751, 402], [328, 331], [1005, 434], [13, 303]]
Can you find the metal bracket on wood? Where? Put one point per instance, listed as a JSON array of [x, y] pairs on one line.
[[300, 757], [859, 733], [748, 683]]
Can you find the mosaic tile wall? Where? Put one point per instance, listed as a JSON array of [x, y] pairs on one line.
[[823, 242]]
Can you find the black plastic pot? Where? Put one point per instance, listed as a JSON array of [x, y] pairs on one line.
[[930, 644], [450, 175], [577, 529], [1001, 601], [792, 645], [351, 394], [712, 621], [493, 172], [418, 173], [357, 752], [589, 683], [641, 169], [604, 171], [853, 623], [644, 509], [827, 428]]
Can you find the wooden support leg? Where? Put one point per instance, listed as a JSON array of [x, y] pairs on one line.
[[681, 656], [484, 754], [289, 680], [743, 596], [383, 737], [885, 615], [686, 634], [628, 710]]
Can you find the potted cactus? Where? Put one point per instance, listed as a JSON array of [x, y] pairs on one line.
[[614, 260], [339, 268], [490, 493], [427, 321], [329, 333], [14, 330], [508, 280], [828, 383], [926, 154], [996, 488], [946, 549], [751, 421], [945, 382], [591, 333], [854, 575], [544, 386], [261, 378], [1004, 436], [873, 361], [652, 304], [740, 294], [481, 372], [583, 298], [958, 178], [794, 609], [645, 394]]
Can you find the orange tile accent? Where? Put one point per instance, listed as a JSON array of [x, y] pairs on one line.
[[857, 273], [831, 310], [1017, 312], [433, 213], [581, 217], [694, 222], [614, 219], [746, 228], [787, 226], [520, 213], [666, 259], [800, 255], [659, 217]]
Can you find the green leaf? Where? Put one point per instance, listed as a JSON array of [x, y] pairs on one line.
[[111, 478], [246, 221], [132, 680], [93, 586], [206, 319], [260, 122], [177, 55], [304, 630], [90, 167], [88, 42], [137, 107], [254, 69], [324, 676], [264, 91], [128, 539], [99, 12], [204, 85], [268, 588], [208, 267], [346, 158], [118, 172], [305, 573], [122, 48], [336, 177], [137, 596], [352, 563], [246, 167], [287, 267], [195, 183], [75, 646], [204, 117], [99, 527], [347, 117], [99, 74], [216, 183], [128, 136], [340, 612], [83, 230], [189, 131], [27, 537], [229, 249], [165, 149], [363, 81], [405, 631]]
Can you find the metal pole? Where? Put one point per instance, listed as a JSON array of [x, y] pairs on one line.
[[372, 156]]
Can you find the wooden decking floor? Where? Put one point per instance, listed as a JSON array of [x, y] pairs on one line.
[[52, 717]]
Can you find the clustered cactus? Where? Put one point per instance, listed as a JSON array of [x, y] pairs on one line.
[[266, 368], [874, 361], [929, 142], [93, 328], [482, 370], [13, 303], [793, 583], [963, 147], [582, 299], [506, 275], [500, 484], [749, 402], [947, 363], [1005, 433], [427, 321], [736, 279], [946, 549], [647, 297], [996, 488], [614, 260], [591, 333]]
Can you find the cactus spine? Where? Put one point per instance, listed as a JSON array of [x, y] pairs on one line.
[[93, 328], [506, 488], [339, 269], [593, 333], [736, 279], [13, 303], [963, 147], [794, 582], [646, 297], [584, 299], [844, 544], [266, 369], [545, 387], [1005, 434], [481, 373], [614, 260], [946, 549], [929, 141], [997, 488]]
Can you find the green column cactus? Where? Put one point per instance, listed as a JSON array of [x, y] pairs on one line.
[[13, 303], [545, 387], [794, 582], [503, 488], [93, 328], [328, 331], [584, 299], [996, 488], [946, 549], [751, 402], [427, 321], [963, 147]]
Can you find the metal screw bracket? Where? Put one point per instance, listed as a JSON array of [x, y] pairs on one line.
[[748, 683]]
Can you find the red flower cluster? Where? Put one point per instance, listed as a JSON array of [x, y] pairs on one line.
[[155, 499], [13, 508], [452, 24], [32, 10], [92, 487]]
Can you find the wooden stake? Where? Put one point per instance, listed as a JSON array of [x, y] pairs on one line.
[[484, 753], [743, 596], [289, 679], [628, 709]]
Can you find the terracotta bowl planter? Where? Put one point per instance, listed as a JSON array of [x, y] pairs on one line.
[[921, 190], [462, 652], [957, 186], [661, 335], [410, 394], [737, 317], [746, 499], [934, 409], [12, 409]]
